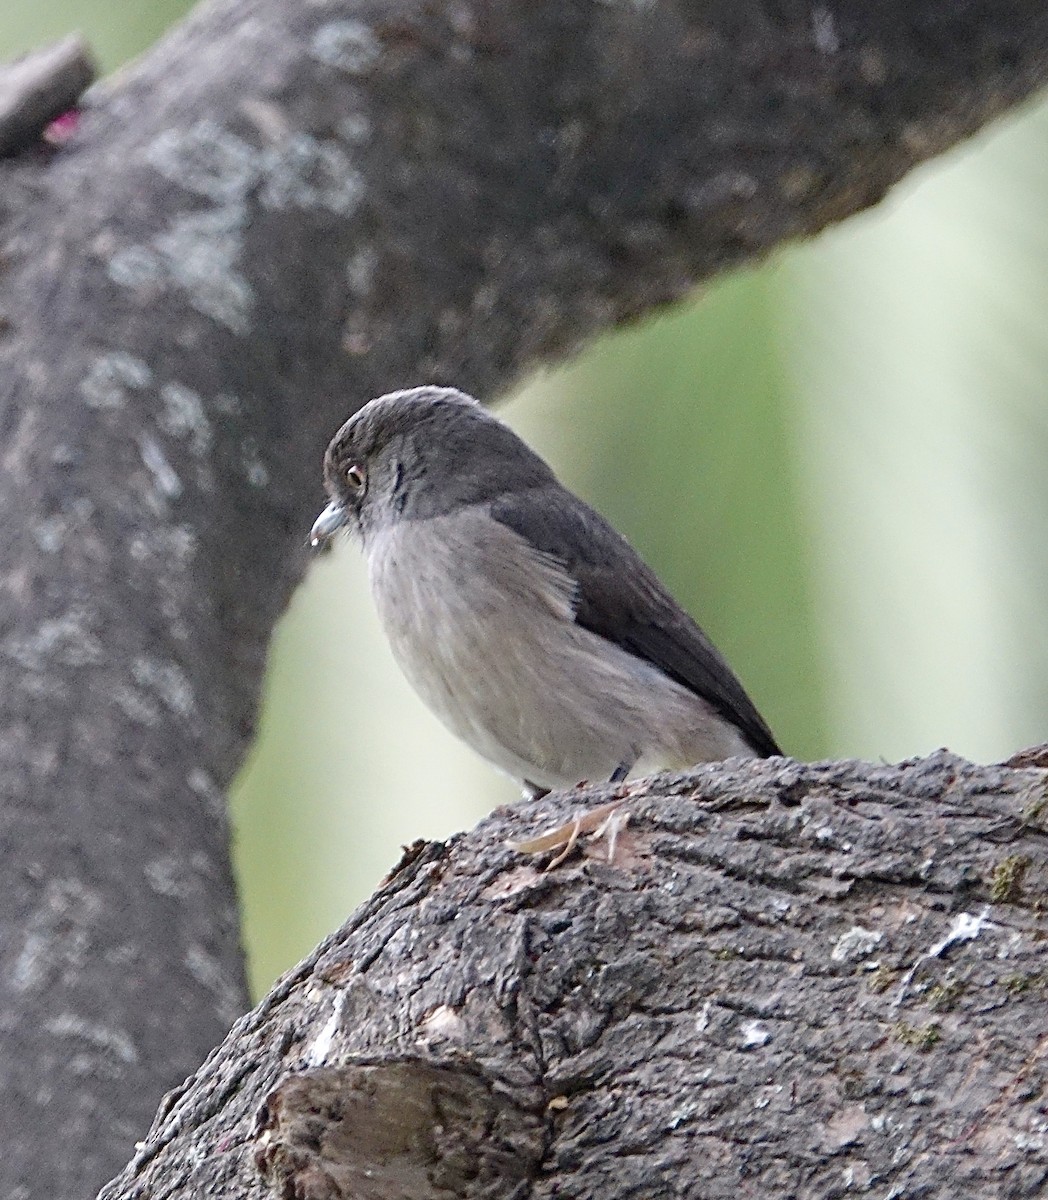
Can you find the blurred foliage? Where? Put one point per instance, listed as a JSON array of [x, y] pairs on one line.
[[835, 461], [116, 32], [918, 351]]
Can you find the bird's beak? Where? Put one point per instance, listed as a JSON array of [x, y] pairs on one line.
[[330, 520]]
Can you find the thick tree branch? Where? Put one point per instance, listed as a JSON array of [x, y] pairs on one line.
[[792, 981], [282, 210]]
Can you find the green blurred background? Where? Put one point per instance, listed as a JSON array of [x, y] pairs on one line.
[[836, 461]]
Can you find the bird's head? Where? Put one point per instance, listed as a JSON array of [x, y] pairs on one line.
[[419, 453]]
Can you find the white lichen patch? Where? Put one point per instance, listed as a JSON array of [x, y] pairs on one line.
[[349, 46], [50, 533], [965, 927], [174, 545], [766, 1095], [166, 479], [168, 876], [183, 416], [198, 253], [136, 267], [167, 681], [68, 641], [102, 1037], [28, 969], [316, 1055], [210, 974], [354, 128], [754, 1034], [205, 159], [824, 30], [57, 935], [141, 709], [856, 943], [1033, 1141], [682, 1114], [204, 967], [300, 171], [255, 470], [308, 173], [200, 782], [111, 376], [360, 270], [165, 551]]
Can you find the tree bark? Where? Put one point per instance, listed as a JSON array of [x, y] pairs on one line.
[[803, 981], [282, 210]]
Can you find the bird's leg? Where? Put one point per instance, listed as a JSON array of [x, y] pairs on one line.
[[622, 770]]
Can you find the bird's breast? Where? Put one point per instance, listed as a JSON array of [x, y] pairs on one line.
[[469, 608]]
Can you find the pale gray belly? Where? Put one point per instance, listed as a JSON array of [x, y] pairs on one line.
[[481, 624]]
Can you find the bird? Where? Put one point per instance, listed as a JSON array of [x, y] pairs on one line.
[[524, 620]]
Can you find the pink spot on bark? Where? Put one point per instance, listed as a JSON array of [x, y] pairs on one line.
[[62, 128]]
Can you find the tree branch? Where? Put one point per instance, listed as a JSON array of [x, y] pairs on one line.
[[281, 211], [39, 87], [792, 980]]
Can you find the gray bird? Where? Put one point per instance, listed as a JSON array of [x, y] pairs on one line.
[[528, 625]]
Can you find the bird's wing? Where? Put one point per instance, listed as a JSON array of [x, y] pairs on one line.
[[627, 604]]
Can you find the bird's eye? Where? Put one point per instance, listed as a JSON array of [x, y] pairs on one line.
[[355, 477]]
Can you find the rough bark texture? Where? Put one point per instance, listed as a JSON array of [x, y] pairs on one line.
[[284, 209], [795, 981]]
